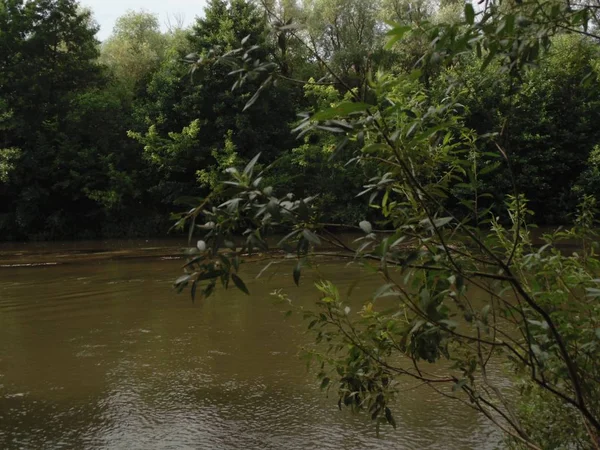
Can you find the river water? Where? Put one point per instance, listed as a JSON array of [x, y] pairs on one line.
[[100, 353]]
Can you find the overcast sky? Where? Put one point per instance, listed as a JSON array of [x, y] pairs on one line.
[[107, 11]]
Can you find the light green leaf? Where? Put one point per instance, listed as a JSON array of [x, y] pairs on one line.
[[250, 166], [395, 34], [341, 110]]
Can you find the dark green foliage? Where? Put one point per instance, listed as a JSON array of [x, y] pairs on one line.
[[190, 117], [102, 144], [48, 53], [546, 122], [78, 174]]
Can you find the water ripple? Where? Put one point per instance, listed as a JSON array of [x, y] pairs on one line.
[[105, 356]]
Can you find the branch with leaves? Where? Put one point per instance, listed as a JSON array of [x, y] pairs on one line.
[[468, 291]]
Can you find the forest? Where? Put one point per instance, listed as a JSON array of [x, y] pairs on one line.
[[107, 139]]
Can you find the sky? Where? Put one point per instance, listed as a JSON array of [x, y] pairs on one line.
[[106, 12]]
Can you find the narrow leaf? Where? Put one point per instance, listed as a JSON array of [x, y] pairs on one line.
[[311, 237], [256, 95], [341, 110], [297, 271], [239, 283], [469, 14], [183, 279], [395, 34], [384, 289], [250, 166]]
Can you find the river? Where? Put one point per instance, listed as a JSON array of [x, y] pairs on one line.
[[98, 352]]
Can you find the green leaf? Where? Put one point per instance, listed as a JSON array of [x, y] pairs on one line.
[[442, 221], [459, 385], [509, 26], [389, 417], [239, 283], [341, 110], [193, 291], [593, 292], [450, 324], [183, 279], [372, 148], [303, 211], [469, 14], [438, 223], [395, 34], [330, 129], [250, 166], [484, 313], [486, 62], [211, 274], [288, 236], [383, 290], [297, 271], [311, 237], [490, 167], [256, 95], [325, 382]]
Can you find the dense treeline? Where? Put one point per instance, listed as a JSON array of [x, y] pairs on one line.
[[105, 139]]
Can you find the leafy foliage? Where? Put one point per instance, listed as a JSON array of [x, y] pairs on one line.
[[544, 119], [535, 310], [135, 49], [122, 129]]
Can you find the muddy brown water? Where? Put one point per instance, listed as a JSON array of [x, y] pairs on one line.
[[100, 353]]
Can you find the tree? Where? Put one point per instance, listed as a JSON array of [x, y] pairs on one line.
[[537, 309], [48, 54], [8, 155], [347, 34], [316, 167], [191, 122], [544, 119], [68, 168], [135, 49]]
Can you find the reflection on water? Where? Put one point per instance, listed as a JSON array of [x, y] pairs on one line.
[[104, 355]]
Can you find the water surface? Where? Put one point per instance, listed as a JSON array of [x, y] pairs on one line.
[[102, 354]]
